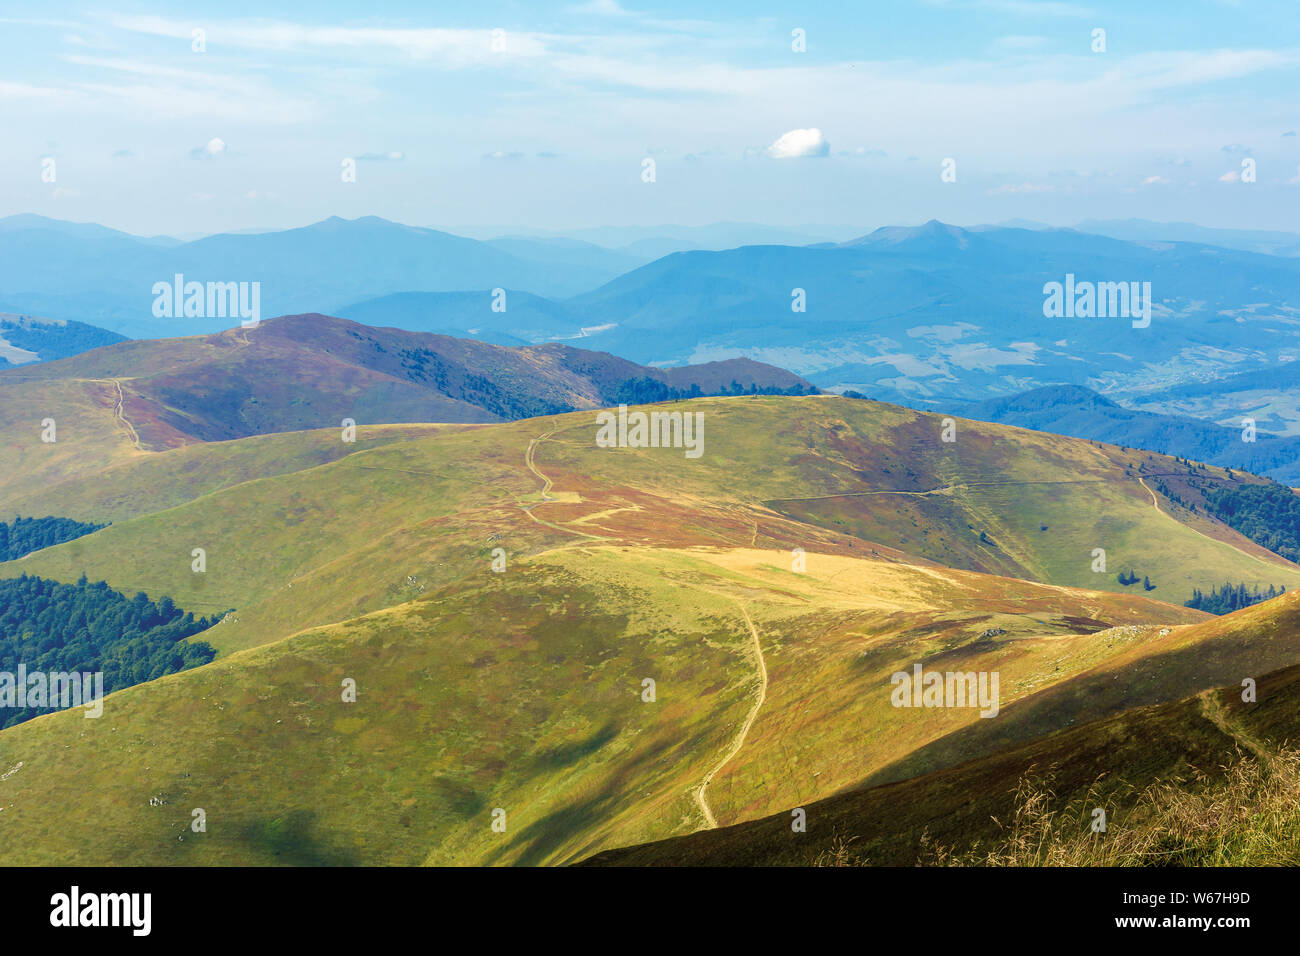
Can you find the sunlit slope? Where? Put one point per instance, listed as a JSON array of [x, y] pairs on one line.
[[313, 546], [128, 484], [386, 523], [1159, 667], [995, 499], [347, 537], [523, 694], [302, 372], [523, 691], [1104, 762], [96, 470], [88, 435], [833, 635]]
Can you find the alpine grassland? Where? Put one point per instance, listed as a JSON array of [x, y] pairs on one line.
[[1208, 780], [612, 647]]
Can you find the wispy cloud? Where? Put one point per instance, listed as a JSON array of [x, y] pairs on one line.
[[449, 47]]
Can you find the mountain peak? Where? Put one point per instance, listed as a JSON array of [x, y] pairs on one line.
[[930, 235]]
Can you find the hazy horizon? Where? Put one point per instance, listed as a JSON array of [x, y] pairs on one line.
[[548, 117], [813, 232]]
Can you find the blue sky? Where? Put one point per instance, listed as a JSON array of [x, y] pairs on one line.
[[551, 129]]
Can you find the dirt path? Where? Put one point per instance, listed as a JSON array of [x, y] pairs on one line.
[[756, 652], [700, 797], [530, 460], [946, 489], [1155, 502], [118, 413]]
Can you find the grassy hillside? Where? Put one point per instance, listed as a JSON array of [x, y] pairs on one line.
[[366, 531], [1192, 745], [312, 371], [97, 467], [522, 690]]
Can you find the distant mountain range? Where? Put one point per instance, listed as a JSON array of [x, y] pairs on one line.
[[1082, 413], [312, 371], [934, 313], [926, 316], [104, 277], [652, 242]]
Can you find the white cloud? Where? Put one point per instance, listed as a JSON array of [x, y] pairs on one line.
[[1156, 181], [799, 143], [209, 150], [1231, 176]]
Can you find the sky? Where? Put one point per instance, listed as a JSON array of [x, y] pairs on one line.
[[537, 116]]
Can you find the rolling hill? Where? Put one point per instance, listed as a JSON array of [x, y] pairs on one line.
[[1108, 762], [768, 588], [310, 371]]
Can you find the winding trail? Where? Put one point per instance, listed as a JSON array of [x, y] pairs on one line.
[[945, 490], [530, 460], [118, 412], [710, 822], [755, 651], [1155, 502]]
